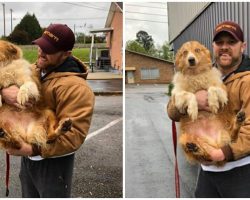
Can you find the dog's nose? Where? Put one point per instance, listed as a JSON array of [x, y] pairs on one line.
[[2, 133], [191, 61]]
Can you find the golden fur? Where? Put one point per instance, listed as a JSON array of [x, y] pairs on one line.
[[200, 129], [36, 125]]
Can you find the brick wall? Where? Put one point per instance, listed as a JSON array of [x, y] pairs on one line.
[[116, 41], [166, 69]]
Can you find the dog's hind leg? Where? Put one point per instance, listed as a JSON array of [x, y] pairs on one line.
[[194, 147], [8, 141], [62, 128]]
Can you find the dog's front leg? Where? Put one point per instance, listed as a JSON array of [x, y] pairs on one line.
[[27, 90], [186, 102], [216, 96]]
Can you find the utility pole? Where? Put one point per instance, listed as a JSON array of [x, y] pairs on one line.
[[11, 19], [3, 19]]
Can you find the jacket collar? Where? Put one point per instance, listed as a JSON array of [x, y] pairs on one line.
[[71, 66]]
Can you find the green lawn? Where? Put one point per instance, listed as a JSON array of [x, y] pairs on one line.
[[30, 54]]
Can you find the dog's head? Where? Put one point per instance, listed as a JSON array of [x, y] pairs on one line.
[[9, 52], [193, 58]]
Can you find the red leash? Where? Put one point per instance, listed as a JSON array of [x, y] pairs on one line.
[[177, 178], [7, 173]]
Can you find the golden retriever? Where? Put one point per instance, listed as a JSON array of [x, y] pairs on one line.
[[200, 129], [37, 125]]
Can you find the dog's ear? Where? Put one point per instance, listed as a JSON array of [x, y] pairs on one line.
[[13, 51]]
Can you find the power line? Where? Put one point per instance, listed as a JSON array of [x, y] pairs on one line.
[[92, 5], [146, 13], [93, 18], [145, 6], [146, 20], [85, 6]]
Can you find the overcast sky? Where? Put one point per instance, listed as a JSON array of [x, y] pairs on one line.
[[153, 20], [149, 17], [84, 15]]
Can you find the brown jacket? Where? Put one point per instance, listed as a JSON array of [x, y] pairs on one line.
[[68, 95], [238, 87]]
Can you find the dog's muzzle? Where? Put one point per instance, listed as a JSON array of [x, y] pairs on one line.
[[191, 61]]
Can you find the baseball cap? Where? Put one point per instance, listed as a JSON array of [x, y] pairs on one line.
[[57, 37], [230, 27]]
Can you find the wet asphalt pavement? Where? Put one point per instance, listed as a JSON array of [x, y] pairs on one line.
[[149, 155]]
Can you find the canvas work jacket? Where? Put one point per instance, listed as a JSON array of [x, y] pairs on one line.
[[238, 88], [67, 93]]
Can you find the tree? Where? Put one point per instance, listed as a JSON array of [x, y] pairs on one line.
[[145, 39], [133, 45], [28, 27], [167, 54]]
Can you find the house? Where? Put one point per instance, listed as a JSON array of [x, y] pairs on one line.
[[141, 68], [197, 20], [114, 38]]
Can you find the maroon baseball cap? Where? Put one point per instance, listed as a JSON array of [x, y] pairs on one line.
[[230, 27], [57, 37]]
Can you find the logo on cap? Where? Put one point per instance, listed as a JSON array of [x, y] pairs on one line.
[[51, 35], [226, 26]]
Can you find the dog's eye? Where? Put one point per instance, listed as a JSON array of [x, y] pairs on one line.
[[185, 52], [197, 50]]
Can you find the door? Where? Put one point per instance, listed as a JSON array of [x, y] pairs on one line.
[[131, 78]]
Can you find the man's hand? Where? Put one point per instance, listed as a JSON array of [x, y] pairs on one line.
[[25, 150], [9, 95], [215, 155], [202, 99]]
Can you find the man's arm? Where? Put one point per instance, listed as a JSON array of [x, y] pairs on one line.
[[75, 102]]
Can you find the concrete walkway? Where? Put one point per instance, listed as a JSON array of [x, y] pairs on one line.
[[99, 78], [103, 76]]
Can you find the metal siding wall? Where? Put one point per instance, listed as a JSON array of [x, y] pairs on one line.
[[202, 28], [182, 13]]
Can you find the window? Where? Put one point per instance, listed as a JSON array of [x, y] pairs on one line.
[[150, 73]]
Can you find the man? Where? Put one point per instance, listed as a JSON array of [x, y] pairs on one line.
[[48, 172], [230, 180]]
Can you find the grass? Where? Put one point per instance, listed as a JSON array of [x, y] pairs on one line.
[[30, 54]]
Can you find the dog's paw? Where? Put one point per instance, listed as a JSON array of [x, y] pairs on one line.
[[213, 100], [191, 147], [23, 95], [222, 96], [192, 108], [66, 125], [181, 103], [27, 91], [241, 116], [51, 139]]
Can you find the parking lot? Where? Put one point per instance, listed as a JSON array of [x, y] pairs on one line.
[[149, 154], [98, 163]]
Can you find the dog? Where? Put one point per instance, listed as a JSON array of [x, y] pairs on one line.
[[201, 129], [36, 125]]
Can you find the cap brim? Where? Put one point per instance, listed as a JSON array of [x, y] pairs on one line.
[[45, 45], [230, 32]]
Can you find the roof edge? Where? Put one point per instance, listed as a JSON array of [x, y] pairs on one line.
[[142, 54]]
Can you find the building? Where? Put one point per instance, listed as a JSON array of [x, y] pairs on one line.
[[114, 37], [145, 69], [196, 20]]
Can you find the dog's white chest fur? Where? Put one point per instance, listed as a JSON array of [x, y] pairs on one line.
[[185, 87]]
